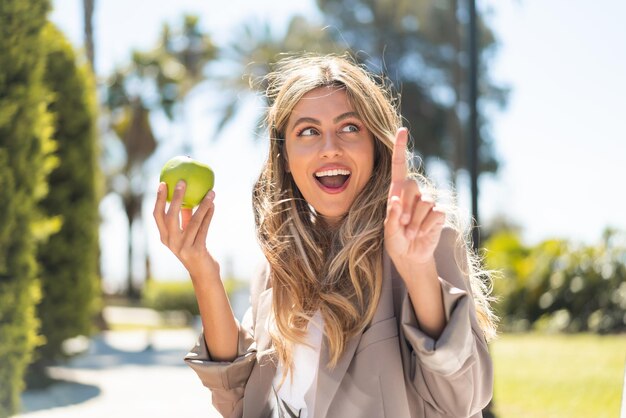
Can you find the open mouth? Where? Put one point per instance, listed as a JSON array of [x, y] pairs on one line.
[[334, 179]]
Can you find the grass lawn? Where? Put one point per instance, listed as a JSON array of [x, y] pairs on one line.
[[547, 376]]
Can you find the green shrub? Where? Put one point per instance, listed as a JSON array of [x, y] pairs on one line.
[[170, 296], [69, 258], [179, 295], [25, 146], [557, 285]]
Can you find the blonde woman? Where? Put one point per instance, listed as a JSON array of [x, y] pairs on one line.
[[370, 304]]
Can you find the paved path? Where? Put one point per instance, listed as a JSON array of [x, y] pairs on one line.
[[125, 374]]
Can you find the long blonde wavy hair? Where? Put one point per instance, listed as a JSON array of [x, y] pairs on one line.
[[337, 271]]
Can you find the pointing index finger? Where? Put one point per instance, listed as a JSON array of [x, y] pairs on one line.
[[398, 162]]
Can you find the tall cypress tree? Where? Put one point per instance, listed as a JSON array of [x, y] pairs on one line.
[[25, 129], [69, 258]]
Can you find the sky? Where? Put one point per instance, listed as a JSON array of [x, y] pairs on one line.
[[561, 140]]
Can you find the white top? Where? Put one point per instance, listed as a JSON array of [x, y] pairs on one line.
[[299, 392]]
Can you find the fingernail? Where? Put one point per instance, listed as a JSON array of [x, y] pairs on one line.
[[210, 195], [160, 188], [405, 218], [180, 184]]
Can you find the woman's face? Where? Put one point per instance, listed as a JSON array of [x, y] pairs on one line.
[[329, 151]]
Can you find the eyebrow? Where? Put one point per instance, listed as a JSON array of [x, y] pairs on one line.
[[339, 118]]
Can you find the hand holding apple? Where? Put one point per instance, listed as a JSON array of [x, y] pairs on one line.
[[181, 228], [199, 179]]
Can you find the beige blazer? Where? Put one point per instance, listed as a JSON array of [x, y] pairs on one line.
[[392, 369]]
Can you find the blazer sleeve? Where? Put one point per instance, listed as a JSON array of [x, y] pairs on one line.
[[227, 380], [453, 374]]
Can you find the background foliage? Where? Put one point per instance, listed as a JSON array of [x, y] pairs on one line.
[[180, 296], [557, 285], [422, 46], [25, 147], [69, 258]]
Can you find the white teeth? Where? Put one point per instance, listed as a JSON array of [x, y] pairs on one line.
[[335, 172]]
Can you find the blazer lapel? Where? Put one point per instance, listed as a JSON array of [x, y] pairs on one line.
[[385, 304], [328, 381]]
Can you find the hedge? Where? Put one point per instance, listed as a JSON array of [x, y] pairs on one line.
[[69, 258], [25, 146]]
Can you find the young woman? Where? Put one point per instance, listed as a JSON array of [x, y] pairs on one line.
[[370, 303]]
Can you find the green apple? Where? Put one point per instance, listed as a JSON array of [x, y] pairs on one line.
[[198, 177]]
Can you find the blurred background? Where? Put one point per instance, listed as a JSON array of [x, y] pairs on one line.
[[96, 96]]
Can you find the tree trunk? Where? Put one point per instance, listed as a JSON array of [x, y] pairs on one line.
[[132, 205], [455, 129], [88, 8]]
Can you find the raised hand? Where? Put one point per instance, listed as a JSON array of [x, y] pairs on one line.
[[184, 232], [413, 224]]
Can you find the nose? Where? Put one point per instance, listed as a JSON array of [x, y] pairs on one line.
[[330, 145]]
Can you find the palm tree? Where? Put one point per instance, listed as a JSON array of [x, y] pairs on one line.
[[158, 80]]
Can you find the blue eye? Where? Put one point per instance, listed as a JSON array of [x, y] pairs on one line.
[[307, 132], [350, 128]]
